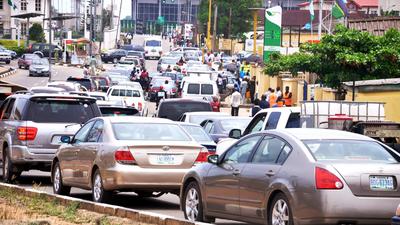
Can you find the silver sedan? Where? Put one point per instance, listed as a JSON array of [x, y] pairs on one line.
[[296, 176], [149, 156]]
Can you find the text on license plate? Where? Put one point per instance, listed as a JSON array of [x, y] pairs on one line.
[[381, 183]]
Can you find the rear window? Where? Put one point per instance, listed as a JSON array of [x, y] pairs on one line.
[[115, 111], [173, 110], [153, 43], [206, 89], [84, 82], [349, 150], [193, 89], [149, 132], [47, 111], [125, 93]]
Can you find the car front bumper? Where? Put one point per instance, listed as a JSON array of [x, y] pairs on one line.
[[42, 73], [132, 177]]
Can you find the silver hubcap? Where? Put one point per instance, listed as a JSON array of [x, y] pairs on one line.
[[97, 188], [280, 213], [57, 179], [192, 204]]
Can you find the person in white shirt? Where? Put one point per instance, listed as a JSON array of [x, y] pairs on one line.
[[278, 92], [267, 94], [236, 99]]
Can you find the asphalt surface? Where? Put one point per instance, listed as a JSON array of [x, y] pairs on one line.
[[166, 205]]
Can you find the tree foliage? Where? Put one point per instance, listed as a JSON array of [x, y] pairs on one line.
[[241, 15], [36, 33], [347, 55]]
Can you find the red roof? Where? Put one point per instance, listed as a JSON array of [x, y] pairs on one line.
[[306, 3], [367, 3]]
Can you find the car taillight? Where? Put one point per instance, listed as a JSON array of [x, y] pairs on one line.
[[124, 156], [26, 133], [326, 180], [140, 106], [203, 155]]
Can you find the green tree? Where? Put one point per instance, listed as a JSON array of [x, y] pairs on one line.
[[36, 33], [347, 55], [241, 15]]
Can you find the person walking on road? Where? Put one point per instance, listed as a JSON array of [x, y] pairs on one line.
[[264, 104], [272, 98], [243, 90], [215, 104], [278, 92], [252, 88], [287, 96], [236, 98]]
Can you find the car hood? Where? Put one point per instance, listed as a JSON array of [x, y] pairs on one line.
[[39, 67]]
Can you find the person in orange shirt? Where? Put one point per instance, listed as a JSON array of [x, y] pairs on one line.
[[287, 96], [272, 98]]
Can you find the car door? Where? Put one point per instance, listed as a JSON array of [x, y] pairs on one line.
[[222, 181], [88, 152], [258, 175], [68, 156]]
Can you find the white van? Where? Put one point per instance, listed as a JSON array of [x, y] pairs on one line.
[[152, 47], [131, 96], [195, 88]]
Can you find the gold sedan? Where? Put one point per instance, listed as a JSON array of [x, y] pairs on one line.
[[144, 155]]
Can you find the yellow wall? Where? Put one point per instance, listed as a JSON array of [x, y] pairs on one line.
[[304, 37]]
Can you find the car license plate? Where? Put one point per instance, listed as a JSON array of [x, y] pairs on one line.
[[165, 159], [153, 50], [381, 183]]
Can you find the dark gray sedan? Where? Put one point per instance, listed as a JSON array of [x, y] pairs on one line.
[[219, 128], [296, 176]]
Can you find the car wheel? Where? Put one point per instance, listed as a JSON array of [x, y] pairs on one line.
[[115, 60], [8, 62], [193, 206], [8, 168], [280, 212], [58, 186], [98, 192]]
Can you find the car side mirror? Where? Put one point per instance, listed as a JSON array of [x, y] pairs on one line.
[[235, 133], [65, 139], [213, 159]]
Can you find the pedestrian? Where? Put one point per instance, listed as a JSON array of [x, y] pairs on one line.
[[161, 94], [144, 79], [278, 92], [256, 107], [252, 88], [264, 104], [272, 98], [236, 98], [86, 72], [242, 73], [287, 96], [215, 104], [220, 84], [243, 90], [168, 69], [248, 73]]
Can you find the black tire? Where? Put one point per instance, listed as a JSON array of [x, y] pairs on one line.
[[286, 216], [98, 192], [58, 186], [8, 62], [9, 173], [195, 196]]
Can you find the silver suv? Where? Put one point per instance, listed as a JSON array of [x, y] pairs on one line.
[[31, 126]]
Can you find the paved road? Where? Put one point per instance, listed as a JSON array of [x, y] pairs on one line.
[[166, 204]]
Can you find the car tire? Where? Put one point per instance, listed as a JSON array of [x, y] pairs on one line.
[[58, 187], [9, 175], [280, 212], [98, 192], [8, 62], [192, 202], [115, 60]]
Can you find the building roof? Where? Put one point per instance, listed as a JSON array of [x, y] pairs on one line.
[[300, 17], [367, 3]]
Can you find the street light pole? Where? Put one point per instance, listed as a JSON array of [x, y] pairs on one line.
[[50, 22], [91, 29]]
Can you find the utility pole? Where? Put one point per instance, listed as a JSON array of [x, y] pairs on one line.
[[215, 26], [119, 21], [230, 23], [208, 25], [91, 29], [321, 4], [50, 22]]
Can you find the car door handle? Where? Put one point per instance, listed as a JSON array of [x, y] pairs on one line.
[[270, 173], [236, 172]]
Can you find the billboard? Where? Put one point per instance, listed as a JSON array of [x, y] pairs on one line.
[[272, 31]]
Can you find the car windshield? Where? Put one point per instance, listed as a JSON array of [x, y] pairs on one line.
[[50, 111], [149, 132], [153, 43], [159, 82], [169, 61], [228, 125], [349, 150], [173, 110], [31, 57], [40, 62], [125, 93], [197, 133]]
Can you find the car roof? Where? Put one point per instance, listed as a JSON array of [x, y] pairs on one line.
[[129, 119], [178, 100], [206, 113], [322, 134], [281, 109], [125, 87]]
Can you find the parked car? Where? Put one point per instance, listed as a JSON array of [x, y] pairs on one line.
[[173, 108], [26, 60], [5, 57], [198, 133], [44, 48], [133, 48], [11, 52], [40, 67], [199, 117], [219, 127], [342, 177], [32, 124], [132, 96], [146, 155], [113, 55], [88, 83]]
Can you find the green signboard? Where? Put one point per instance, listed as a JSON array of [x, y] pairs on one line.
[[272, 31]]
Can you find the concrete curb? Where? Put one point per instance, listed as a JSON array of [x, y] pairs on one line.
[[112, 210], [6, 74]]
